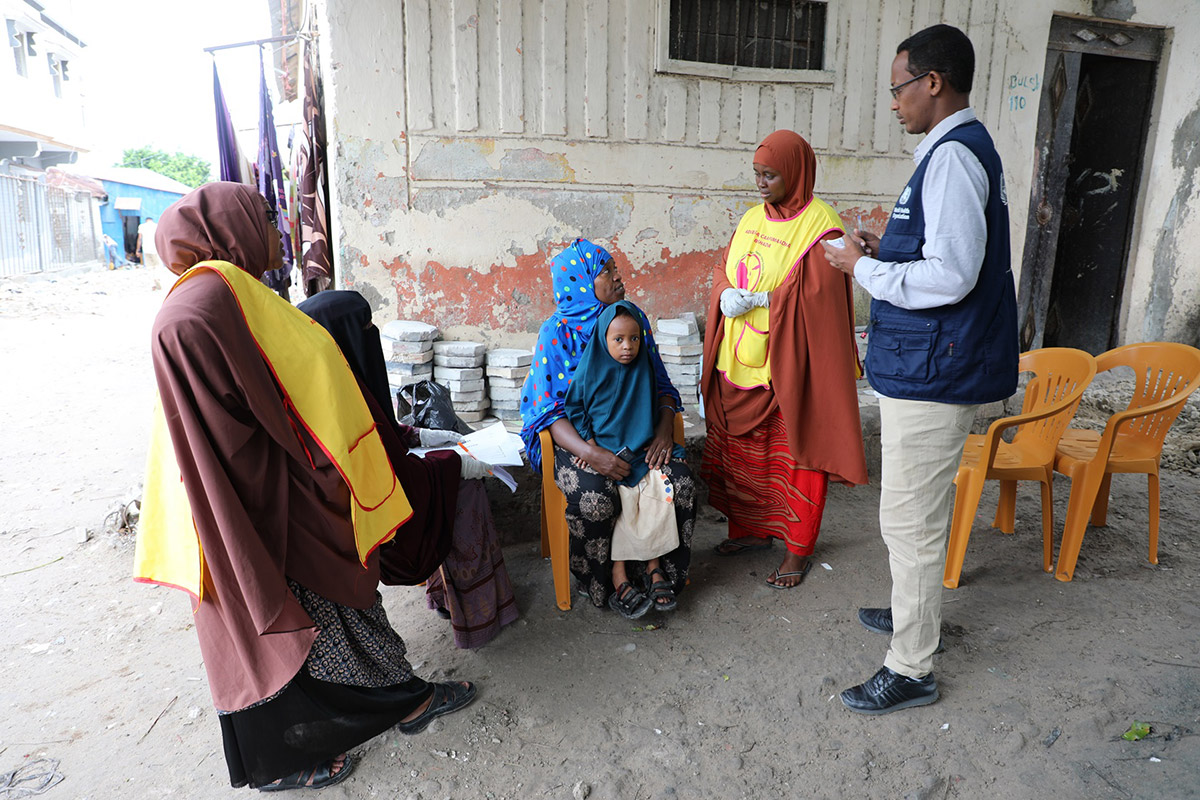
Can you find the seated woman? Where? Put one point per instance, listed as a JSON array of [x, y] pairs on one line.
[[613, 402], [585, 281], [267, 496], [471, 584]]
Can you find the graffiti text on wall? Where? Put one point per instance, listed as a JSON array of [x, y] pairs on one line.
[[1019, 86]]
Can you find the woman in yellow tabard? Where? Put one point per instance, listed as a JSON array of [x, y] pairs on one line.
[[780, 366], [268, 494]]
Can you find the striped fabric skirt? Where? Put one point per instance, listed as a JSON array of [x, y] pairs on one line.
[[754, 480], [472, 583]]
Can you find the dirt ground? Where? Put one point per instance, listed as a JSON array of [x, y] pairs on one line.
[[732, 696]]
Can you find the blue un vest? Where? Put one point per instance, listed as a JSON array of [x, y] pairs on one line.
[[964, 353]]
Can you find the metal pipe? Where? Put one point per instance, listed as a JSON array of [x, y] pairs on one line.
[[260, 42]]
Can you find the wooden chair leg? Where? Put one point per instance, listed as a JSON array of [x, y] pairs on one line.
[[1006, 508], [966, 503], [1100, 509], [1152, 481], [1084, 486], [1048, 524]]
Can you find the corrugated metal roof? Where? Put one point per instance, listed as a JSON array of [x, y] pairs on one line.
[[139, 176]]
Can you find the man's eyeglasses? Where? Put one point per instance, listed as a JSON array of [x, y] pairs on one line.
[[895, 90]]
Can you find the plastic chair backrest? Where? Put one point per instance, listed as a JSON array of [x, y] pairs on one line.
[[1162, 371], [1060, 376]]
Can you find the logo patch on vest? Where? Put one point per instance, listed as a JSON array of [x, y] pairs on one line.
[[749, 271], [901, 209]]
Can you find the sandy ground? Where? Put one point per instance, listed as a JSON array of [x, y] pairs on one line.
[[732, 696]]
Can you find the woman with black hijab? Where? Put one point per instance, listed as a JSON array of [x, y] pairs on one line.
[[471, 584]]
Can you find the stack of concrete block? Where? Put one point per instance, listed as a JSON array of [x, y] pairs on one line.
[[459, 365], [408, 351], [506, 371], [681, 349]]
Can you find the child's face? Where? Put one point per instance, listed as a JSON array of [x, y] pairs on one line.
[[624, 339]]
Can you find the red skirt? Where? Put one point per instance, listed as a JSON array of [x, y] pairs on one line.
[[754, 480]]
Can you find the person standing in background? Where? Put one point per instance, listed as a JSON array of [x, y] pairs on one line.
[[146, 249]]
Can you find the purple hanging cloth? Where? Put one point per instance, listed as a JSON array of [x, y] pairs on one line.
[[270, 183], [227, 148]]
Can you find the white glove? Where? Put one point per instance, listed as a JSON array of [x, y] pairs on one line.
[[435, 438], [473, 468], [760, 299], [735, 302]]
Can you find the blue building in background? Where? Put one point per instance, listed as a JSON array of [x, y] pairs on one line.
[[134, 194]]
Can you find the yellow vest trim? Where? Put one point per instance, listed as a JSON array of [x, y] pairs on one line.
[[320, 390], [763, 254]]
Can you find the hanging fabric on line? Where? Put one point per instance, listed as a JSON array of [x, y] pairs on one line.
[[312, 175], [227, 146], [271, 183]]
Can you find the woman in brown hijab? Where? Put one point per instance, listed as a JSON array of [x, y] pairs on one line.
[[779, 367], [301, 660]]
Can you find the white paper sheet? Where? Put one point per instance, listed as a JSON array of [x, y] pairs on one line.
[[493, 445]]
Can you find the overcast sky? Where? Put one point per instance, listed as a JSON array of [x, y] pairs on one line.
[[147, 78]]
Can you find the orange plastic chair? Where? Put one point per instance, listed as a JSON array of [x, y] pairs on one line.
[[1132, 441], [555, 543], [1051, 397]]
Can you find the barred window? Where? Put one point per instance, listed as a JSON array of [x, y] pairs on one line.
[[771, 34]]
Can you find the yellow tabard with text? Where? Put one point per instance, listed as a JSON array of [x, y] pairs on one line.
[[320, 389], [763, 254]]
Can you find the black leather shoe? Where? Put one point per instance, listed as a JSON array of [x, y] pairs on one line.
[[879, 620], [888, 691]]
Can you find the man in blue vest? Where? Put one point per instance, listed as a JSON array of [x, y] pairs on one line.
[[943, 340]]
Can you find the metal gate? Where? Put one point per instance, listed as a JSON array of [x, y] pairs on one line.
[[44, 228]]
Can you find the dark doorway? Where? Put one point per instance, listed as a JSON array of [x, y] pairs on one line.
[[1092, 123], [129, 226]]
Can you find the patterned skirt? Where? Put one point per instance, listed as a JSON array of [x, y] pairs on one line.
[[754, 480], [355, 684], [472, 583], [593, 505]]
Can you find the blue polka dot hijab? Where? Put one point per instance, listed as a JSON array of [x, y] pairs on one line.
[[562, 339]]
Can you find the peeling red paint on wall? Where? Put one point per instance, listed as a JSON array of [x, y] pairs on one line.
[[874, 218], [518, 298], [671, 285]]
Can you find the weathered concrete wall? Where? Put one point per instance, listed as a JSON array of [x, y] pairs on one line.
[[1162, 293], [473, 138]]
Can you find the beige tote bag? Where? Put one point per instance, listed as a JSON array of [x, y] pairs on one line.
[[646, 528]]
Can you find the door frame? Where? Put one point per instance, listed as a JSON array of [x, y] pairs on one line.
[[1070, 37]]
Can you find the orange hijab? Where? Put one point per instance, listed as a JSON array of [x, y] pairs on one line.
[[788, 152]]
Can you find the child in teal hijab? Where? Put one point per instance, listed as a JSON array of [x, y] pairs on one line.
[[613, 403]]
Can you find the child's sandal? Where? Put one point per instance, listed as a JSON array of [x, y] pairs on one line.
[[628, 601], [661, 591]]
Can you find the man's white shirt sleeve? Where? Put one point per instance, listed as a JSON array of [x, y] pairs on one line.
[[954, 193]]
